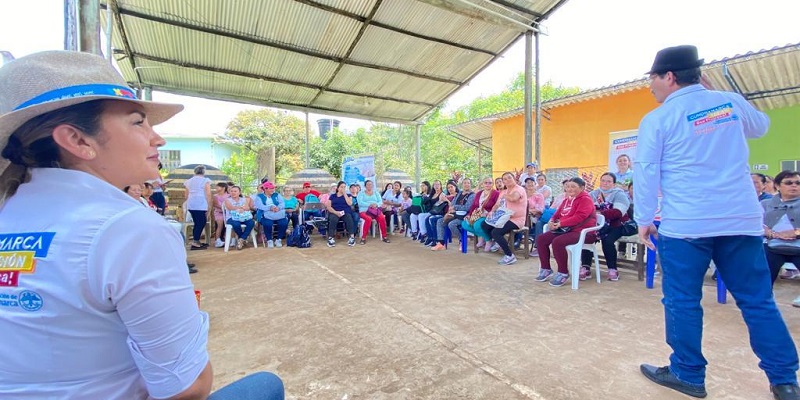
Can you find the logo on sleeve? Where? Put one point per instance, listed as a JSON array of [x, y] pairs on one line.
[[18, 254]]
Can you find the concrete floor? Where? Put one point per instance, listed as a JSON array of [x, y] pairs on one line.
[[397, 321]]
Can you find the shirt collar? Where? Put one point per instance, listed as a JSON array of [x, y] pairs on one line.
[[71, 180], [684, 91]]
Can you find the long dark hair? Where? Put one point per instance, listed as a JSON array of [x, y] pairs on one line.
[[428, 188]]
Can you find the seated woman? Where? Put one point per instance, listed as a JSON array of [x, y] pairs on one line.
[[515, 200], [427, 205], [439, 210], [339, 206], [220, 195], [354, 190], [613, 203], [455, 213], [782, 222], [535, 209], [392, 198], [147, 192], [541, 187], [135, 191], [271, 212], [418, 207], [239, 214], [575, 213], [292, 206], [369, 202], [482, 203], [498, 184]]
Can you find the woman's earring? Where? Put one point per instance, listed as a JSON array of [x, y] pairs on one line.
[[91, 153]]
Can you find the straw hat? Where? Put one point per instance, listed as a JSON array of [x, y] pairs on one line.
[[39, 83]]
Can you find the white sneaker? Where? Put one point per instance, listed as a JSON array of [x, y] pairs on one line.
[[219, 243], [796, 302], [331, 242], [270, 244], [233, 242], [278, 243], [508, 260], [495, 247]]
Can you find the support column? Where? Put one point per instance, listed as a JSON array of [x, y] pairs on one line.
[[480, 166], [528, 140], [147, 93], [417, 156], [538, 135], [308, 163], [109, 31], [89, 26], [70, 25]]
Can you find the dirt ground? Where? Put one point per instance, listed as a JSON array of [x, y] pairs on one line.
[[397, 321]]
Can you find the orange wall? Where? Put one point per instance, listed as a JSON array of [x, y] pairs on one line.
[[576, 135]]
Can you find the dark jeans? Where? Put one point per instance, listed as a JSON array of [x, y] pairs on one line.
[[609, 249], [743, 267], [242, 233], [499, 235], [430, 224], [775, 261], [200, 220], [268, 225], [333, 221], [406, 217]]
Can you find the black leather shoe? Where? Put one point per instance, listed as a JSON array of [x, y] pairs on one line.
[[190, 265], [664, 377], [785, 392], [192, 270]]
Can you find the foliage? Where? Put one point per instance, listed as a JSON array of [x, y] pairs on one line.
[[442, 153], [257, 130], [241, 169]]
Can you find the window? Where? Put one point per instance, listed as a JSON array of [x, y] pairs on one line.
[[170, 159], [791, 165]]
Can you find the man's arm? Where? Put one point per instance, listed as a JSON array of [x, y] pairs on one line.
[[647, 177]]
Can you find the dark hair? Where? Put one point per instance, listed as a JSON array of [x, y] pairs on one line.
[[530, 179], [408, 192], [613, 177], [760, 176], [783, 175], [579, 181], [223, 185], [235, 187], [466, 179], [543, 176], [366, 182], [354, 184], [44, 152], [340, 184], [200, 170], [148, 185], [126, 188], [685, 77], [386, 188], [428, 187]]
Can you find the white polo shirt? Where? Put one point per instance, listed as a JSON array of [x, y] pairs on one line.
[[95, 297], [694, 149]]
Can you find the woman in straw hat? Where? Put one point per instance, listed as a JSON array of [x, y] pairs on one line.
[[91, 315]]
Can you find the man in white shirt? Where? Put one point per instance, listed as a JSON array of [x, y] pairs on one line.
[[700, 135], [530, 172]]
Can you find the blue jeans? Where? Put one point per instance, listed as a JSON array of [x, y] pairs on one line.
[[258, 386], [743, 267], [430, 225], [242, 233], [268, 225]]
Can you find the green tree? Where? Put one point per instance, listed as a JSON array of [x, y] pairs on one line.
[[258, 130], [242, 170]]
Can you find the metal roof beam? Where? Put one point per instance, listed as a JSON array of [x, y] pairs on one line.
[[284, 106], [282, 46], [353, 45], [359, 18], [268, 79], [475, 11], [122, 35], [515, 7]]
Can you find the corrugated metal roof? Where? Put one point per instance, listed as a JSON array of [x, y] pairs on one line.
[[386, 60], [769, 79]]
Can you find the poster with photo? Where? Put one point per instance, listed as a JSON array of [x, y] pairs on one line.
[[621, 154], [358, 169]]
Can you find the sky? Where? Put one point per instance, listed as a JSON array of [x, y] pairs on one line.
[[588, 44]]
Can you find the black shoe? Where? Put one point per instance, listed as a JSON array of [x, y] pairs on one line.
[[198, 247], [192, 270], [785, 392], [386, 240], [414, 235], [190, 265], [664, 377]]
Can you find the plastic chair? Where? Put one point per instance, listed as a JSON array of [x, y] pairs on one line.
[[574, 251], [187, 223], [229, 231]]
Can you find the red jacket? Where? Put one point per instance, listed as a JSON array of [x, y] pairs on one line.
[[487, 205], [577, 213]]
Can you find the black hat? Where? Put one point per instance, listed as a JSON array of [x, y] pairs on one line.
[[676, 58]]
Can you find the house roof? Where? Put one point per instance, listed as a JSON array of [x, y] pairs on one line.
[[769, 79], [383, 60]]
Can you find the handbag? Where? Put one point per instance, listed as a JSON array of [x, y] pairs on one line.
[[438, 208], [373, 212], [474, 216], [500, 216]]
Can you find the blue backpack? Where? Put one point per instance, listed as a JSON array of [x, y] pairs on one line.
[[299, 237]]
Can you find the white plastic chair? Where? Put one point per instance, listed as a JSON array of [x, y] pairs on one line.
[[229, 231], [574, 251], [187, 223]]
